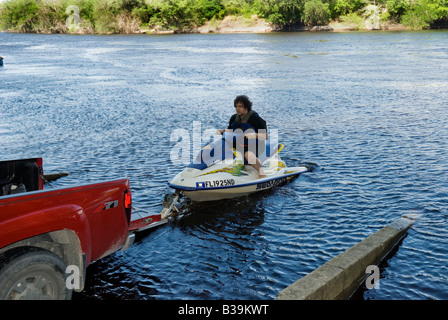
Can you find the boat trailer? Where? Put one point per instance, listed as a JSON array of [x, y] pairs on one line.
[[144, 220]]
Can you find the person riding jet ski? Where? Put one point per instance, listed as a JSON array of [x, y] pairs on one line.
[[254, 127]]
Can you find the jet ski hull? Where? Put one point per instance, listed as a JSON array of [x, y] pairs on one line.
[[224, 187], [219, 172]]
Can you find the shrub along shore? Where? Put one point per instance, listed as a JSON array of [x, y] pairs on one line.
[[182, 16]]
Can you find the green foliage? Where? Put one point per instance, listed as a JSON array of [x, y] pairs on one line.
[[180, 14], [113, 16], [85, 8], [174, 14], [212, 9], [353, 21], [397, 8], [104, 15], [238, 7], [343, 7], [316, 13], [279, 12], [19, 14], [421, 14]]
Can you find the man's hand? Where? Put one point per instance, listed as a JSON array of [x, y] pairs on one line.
[[251, 135]]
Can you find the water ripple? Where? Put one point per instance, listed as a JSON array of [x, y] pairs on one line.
[[369, 115]]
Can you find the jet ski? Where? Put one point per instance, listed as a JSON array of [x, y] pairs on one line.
[[218, 172]]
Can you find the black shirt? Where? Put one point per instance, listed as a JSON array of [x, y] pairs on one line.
[[254, 122]]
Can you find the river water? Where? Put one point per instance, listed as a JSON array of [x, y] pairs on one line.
[[368, 110]]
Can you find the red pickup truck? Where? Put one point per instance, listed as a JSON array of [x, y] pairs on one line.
[[49, 237]]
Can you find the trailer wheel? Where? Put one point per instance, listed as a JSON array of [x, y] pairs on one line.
[[33, 274]]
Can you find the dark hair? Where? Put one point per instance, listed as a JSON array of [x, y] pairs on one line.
[[244, 100]]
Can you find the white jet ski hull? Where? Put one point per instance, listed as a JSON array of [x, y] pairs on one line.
[[221, 184], [219, 193]]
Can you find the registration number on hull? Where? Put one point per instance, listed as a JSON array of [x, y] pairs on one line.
[[215, 183]]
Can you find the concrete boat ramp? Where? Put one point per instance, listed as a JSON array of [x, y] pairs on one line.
[[340, 277]]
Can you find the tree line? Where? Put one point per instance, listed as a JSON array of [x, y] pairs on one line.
[[128, 16]]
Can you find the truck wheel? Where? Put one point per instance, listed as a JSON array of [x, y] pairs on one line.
[[33, 275]]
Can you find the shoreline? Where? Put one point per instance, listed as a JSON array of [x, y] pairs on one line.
[[202, 30], [315, 29], [226, 27], [232, 24]]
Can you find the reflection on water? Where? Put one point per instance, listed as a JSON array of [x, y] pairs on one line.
[[367, 108]]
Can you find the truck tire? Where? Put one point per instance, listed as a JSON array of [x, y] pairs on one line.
[[33, 274]]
